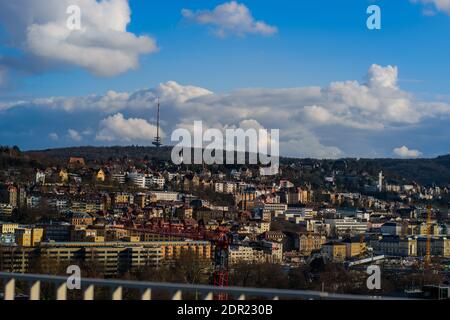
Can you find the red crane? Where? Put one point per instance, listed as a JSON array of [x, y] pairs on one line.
[[221, 253]]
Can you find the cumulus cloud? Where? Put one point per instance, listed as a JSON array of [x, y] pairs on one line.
[[441, 5], [383, 77], [112, 101], [230, 18], [341, 119], [74, 135], [405, 152], [103, 46], [117, 128], [53, 136]]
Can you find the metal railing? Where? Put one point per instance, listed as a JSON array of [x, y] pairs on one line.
[[176, 291]]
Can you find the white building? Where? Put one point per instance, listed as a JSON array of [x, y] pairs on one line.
[[119, 177], [165, 196], [342, 226], [40, 177], [225, 187], [138, 179]]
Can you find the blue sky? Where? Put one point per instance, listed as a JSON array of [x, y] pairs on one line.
[[316, 43]]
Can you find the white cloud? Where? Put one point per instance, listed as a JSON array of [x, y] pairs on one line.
[[230, 18], [405, 152], [74, 135], [441, 5], [102, 46], [118, 129], [112, 102], [384, 77], [53, 136], [338, 120]]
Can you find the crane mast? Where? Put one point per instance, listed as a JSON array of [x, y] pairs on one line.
[[428, 249]]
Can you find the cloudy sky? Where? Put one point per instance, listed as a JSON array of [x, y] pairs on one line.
[[309, 68]]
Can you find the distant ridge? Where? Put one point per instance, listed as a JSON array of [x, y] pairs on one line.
[[423, 171]]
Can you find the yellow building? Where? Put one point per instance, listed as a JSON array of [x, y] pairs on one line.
[[64, 176], [310, 242], [354, 248], [123, 199], [8, 227], [101, 176], [28, 237], [140, 200], [335, 251]]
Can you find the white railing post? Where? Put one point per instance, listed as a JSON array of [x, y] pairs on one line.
[[89, 293], [209, 296], [147, 294], [10, 289], [61, 292], [177, 295], [35, 291], [117, 294]]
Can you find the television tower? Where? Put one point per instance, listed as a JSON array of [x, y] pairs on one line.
[[157, 142]]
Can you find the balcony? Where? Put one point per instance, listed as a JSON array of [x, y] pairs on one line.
[[176, 291]]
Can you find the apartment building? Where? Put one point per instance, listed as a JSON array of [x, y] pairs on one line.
[[8, 227], [335, 251], [111, 258], [440, 246], [165, 196], [16, 259], [347, 225], [395, 246], [308, 242]]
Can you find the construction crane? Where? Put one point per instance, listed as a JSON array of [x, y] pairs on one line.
[[221, 253], [362, 243], [428, 229]]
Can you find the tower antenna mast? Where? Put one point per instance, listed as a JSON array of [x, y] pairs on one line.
[[157, 142]]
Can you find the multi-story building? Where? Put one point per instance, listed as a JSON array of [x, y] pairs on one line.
[[440, 246], [391, 228], [28, 237], [346, 226], [81, 218], [165, 196], [275, 208], [8, 227], [58, 232], [87, 205], [138, 179], [262, 252], [13, 196], [110, 258], [7, 239], [40, 177], [122, 199], [6, 209], [119, 178], [274, 236], [16, 259], [335, 251], [241, 253], [395, 246], [33, 201], [308, 242]]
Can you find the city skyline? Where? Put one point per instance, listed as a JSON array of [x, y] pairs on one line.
[[313, 70]]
